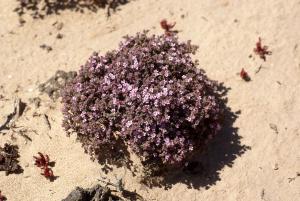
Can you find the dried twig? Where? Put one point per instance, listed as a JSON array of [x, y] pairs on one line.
[[19, 107], [290, 179], [119, 185], [22, 133], [46, 119], [259, 68]]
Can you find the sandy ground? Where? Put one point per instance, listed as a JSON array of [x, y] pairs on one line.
[[226, 32]]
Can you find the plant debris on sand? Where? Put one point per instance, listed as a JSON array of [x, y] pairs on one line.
[[101, 193], [41, 8], [168, 27], [43, 161], [18, 109], [53, 86], [148, 93], [97, 192], [244, 75], [2, 197], [9, 159], [261, 50]]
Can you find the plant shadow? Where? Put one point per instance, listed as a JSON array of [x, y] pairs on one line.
[[53, 178], [203, 169], [39, 9], [119, 157]]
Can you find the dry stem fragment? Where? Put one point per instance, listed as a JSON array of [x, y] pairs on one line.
[[19, 108]]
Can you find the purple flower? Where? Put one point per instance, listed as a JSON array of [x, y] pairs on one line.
[[147, 128], [128, 123], [156, 113], [148, 93]]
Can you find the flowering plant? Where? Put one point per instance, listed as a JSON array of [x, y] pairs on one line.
[[148, 93]]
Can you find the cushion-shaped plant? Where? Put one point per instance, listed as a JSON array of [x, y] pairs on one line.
[[149, 94]]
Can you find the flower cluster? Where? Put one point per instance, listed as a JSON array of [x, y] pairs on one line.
[[148, 93]]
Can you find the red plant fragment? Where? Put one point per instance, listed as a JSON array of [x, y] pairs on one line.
[[167, 27], [41, 160], [48, 173], [244, 75], [2, 197], [261, 50]]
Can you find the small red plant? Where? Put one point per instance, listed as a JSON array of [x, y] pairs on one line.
[[48, 173], [261, 50], [42, 161], [244, 75], [2, 197], [167, 27]]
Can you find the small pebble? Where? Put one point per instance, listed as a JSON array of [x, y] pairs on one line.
[[59, 36], [274, 127], [59, 25], [46, 47]]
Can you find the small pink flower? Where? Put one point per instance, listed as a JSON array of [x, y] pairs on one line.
[[129, 123]]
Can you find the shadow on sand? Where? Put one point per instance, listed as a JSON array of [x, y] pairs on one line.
[[41, 8]]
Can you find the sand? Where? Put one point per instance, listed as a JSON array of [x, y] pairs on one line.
[[249, 161]]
